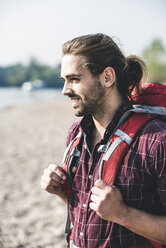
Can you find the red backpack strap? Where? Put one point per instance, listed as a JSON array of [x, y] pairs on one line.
[[155, 245], [119, 145]]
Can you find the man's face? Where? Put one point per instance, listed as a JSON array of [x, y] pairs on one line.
[[84, 90]]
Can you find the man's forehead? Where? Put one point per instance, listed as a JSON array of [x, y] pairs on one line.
[[72, 63], [68, 58]]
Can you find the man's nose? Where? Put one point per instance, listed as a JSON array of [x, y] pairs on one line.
[[66, 89]]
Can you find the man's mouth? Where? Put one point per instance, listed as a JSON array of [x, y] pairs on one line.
[[75, 99]]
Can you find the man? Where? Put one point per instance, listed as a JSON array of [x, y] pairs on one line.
[[99, 81]]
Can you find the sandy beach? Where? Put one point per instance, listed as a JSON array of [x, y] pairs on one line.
[[31, 137]]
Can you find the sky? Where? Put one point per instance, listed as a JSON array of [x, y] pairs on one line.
[[38, 28]]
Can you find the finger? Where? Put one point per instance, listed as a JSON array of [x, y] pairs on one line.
[[94, 198], [49, 188], [58, 170], [96, 190], [45, 185], [93, 206], [52, 175], [49, 174], [51, 182], [100, 184]]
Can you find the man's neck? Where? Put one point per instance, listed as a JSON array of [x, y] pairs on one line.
[[103, 117]]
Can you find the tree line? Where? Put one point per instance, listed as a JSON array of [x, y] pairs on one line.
[[15, 75], [155, 58]]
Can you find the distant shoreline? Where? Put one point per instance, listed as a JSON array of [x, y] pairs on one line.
[[14, 96]]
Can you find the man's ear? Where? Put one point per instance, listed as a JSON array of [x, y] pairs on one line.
[[109, 77]]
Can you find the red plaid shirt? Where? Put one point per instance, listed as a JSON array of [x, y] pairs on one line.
[[141, 178]]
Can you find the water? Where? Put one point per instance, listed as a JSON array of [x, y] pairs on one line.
[[13, 96]]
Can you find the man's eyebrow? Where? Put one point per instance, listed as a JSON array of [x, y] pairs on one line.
[[71, 75]]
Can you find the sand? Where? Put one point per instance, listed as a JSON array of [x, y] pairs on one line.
[[31, 137]]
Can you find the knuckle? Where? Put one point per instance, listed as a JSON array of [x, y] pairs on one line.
[[45, 171], [43, 185], [51, 174], [106, 197], [53, 177], [45, 180], [108, 189], [49, 181], [58, 173], [99, 207], [53, 166], [107, 194], [47, 187], [93, 189]]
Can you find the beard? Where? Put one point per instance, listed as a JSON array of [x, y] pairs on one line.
[[90, 103]]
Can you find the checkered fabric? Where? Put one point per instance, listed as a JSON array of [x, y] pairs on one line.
[[141, 178]]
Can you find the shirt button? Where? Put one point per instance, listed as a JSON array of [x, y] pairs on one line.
[[90, 176], [84, 205], [81, 234]]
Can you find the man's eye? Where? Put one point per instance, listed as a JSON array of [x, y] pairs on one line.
[[74, 79]]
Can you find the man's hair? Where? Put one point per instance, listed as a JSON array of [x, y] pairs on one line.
[[100, 51]]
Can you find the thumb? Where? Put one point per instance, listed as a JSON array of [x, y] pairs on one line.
[[100, 184], [74, 169]]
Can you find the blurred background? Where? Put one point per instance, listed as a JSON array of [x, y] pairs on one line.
[[32, 32], [34, 117]]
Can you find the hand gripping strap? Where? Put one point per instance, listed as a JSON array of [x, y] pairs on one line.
[[115, 153]]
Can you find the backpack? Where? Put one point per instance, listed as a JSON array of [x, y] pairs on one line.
[[148, 104]]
